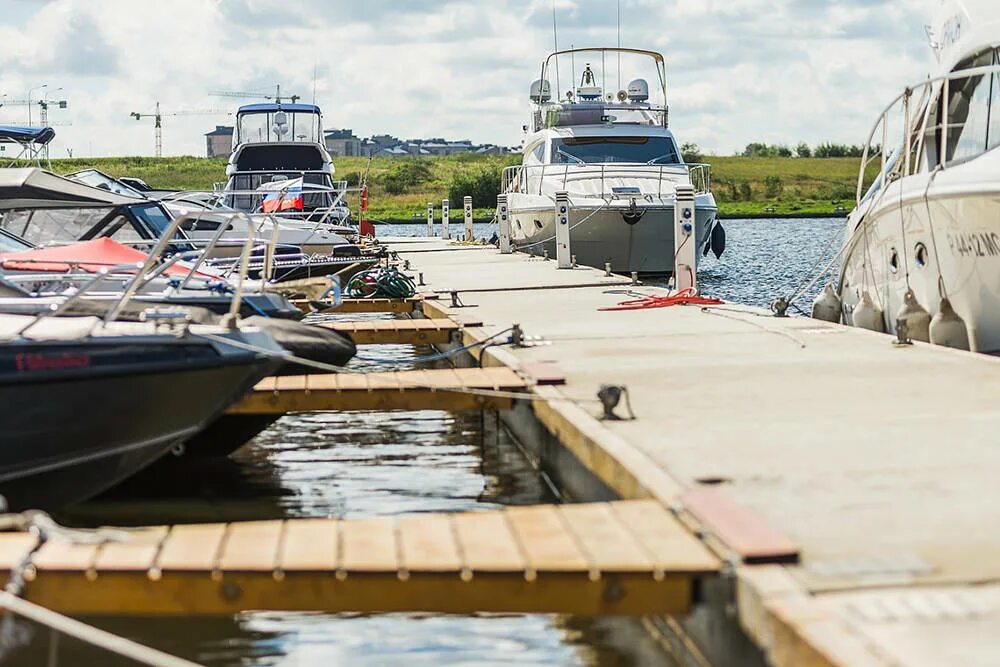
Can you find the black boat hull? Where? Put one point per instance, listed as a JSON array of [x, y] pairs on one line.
[[65, 439]]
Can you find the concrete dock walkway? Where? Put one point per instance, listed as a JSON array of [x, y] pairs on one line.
[[879, 463]]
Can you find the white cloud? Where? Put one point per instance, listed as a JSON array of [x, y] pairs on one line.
[[739, 70]]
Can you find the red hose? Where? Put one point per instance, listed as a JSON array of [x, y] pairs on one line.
[[686, 297]]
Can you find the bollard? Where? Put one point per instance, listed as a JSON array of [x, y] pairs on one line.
[[607, 269], [562, 231], [445, 219], [503, 216], [467, 207], [430, 219], [685, 241]]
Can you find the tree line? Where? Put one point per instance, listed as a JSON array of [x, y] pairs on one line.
[[692, 153]]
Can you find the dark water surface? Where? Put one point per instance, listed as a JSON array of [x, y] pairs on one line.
[[366, 464]]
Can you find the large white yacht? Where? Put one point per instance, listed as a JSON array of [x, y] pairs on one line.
[[609, 148], [924, 239]]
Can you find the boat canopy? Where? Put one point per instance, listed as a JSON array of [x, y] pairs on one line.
[[34, 188], [18, 134], [90, 256], [271, 106]]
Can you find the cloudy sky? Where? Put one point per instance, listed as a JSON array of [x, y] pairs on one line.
[[738, 70]]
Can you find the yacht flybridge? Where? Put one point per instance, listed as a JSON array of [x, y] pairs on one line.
[[609, 148], [280, 164], [922, 242]]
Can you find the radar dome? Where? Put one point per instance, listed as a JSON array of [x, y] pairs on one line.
[[638, 91], [541, 92]]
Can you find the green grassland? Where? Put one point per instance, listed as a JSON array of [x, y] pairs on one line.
[[402, 187]]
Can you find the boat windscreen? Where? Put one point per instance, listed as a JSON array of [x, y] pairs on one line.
[[603, 150], [270, 126], [49, 226]]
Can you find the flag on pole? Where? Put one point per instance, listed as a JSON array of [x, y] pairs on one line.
[[282, 195]]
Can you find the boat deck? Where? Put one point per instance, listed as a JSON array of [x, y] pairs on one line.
[[877, 463]]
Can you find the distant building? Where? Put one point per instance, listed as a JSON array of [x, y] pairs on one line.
[[343, 143], [219, 142]]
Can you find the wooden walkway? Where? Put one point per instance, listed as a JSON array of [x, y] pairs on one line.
[[397, 332], [620, 558], [438, 389], [399, 306]]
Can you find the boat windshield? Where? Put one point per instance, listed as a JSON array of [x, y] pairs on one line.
[[96, 179], [602, 150], [267, 126]]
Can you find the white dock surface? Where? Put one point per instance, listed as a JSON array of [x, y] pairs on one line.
[[880, 462]]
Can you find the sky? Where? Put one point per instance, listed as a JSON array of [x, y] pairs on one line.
[[778, 71]]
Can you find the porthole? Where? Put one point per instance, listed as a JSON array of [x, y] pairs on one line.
[[920, 254], [894, 260], [538, 224]]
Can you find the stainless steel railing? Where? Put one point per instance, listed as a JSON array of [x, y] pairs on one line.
[[531, 179]]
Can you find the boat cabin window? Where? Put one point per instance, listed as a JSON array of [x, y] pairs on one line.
[[973, 114], [626, 150], [52, 226], [267, 126]]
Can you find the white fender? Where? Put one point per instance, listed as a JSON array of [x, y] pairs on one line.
[[918, 320], [867, 315], [948, 329], [827, 306]]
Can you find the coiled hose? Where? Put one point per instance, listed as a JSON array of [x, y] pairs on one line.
[[380, 283]]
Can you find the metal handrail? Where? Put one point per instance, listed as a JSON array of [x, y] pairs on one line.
[[916, 117], [516, 179]]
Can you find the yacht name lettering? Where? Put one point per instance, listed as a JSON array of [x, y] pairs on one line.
[[979, 244], [46, 362]]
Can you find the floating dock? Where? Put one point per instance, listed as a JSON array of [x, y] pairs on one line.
[[847, 480], [606, 558]]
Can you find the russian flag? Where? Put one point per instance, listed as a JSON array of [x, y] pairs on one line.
[[282, 195]]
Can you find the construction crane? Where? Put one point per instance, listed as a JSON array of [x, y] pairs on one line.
[[277, 97], [157, 117], [43, 106]]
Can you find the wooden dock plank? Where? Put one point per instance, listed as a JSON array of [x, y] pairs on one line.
[[58, 554], [546, 543], [487, 543], [435, 389], [194, 547], [310, 544], [138, 552], [366, 306], [743, 530], [14, 547], [251, 545], [397, 332], [608, 543], [427, 544], [669, 545], [369, 545]]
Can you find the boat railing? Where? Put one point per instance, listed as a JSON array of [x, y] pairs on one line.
[[536, 179], [916, 132], [326, 215]]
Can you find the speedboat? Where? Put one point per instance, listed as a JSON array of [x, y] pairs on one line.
[[922, 248], [89, 402], [617, 160]]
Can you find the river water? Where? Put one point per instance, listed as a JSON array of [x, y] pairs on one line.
[[366, 464]]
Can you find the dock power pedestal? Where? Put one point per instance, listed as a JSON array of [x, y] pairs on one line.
[[563, 250], [685, 239]]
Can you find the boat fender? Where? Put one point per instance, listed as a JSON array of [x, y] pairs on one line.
[[718, 239], [827, 306], [867, 315], [916, 319], [948, 329]]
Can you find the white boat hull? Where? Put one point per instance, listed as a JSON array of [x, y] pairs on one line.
[[601, 235], [945, 243]]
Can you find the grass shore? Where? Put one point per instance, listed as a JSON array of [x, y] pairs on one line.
[[743, 186]]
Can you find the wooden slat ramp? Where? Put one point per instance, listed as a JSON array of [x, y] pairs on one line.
[[629, 557], [401, 306], [397, 332], [437, 389]]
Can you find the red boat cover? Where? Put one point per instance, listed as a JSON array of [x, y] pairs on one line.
[[89, 256]]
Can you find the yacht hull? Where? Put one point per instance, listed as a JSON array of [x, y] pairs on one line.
[[600, 234], [943, 244]]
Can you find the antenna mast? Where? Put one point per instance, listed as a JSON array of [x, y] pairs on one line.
[[619, 44], [555, 43]]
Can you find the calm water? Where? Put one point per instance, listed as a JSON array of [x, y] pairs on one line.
[[364, 464]]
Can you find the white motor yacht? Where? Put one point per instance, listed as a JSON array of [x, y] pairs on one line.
[[923, 241], [610, 149]]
